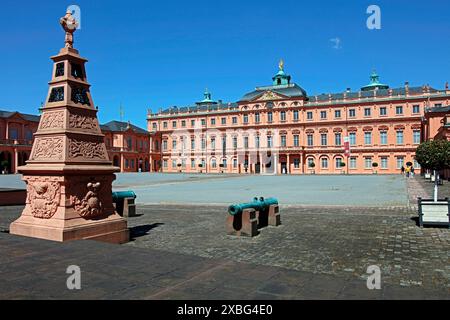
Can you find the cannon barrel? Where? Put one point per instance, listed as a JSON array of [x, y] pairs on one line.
[[119, 195], [257, 204]]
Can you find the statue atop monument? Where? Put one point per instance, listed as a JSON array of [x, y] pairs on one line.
[[69, 25]]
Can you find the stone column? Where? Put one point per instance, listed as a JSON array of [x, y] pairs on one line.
[[288, 163]]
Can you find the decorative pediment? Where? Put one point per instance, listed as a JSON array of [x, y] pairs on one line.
[[269, 95]]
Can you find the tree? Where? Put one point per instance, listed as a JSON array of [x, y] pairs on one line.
[[434, 155]]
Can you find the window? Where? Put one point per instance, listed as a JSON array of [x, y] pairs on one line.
[[174, 144], [129, 142], [235, 163], [338, 163], [367, 112], [165, 164], [246, 142], [183, 123], [309, 115], [398, 110], [352, 138], [269, 117], [257, 117], [257, 142], [164, 145], [155, 125], [310, 140], [203, 122], [337, 138], [283, 141], [224, 162], [368, 162], [174, 164], [235, 143], [183, 163], [213, 143], [367, 138], [223, 121], [352, 164], [203, 143], [234, 120], [224, 144], [400, 161], [383, 111], [438, 105], [213, 163], [269, 141], [192, 123], [310, 162], [127, 163], [416, 164], [351, 113], [174, 124], [203, 163], [323, 114], [296, 140], [213, 121], [399, 137], [416, 136], [296, 163], [337, 113], [323, 139], [245, 118], [283, 115], [384, 162], [416, 108], [192, 144], [324, 163], [192, 163], [295, 115], [29, 135], [165, 124], [383, 137]]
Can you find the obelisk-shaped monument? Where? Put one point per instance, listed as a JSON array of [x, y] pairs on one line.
[[69, 176]]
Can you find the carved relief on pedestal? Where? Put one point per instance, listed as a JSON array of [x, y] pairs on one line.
[[78, 121], [43, 197], [88, 150], [51, 120], [48, 148], [86, 200]]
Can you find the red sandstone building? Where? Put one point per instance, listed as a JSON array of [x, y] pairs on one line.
[[280, 129], [127, 145]]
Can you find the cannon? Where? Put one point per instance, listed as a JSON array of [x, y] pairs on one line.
[[246, 218], [124, 201], [260, 204]]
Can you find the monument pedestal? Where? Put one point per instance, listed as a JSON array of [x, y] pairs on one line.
[[69, 175]]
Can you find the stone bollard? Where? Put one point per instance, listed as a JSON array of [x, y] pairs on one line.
[[129, 207], [274, 215], [243, 224]]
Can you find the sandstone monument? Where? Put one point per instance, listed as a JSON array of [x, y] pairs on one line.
[[69, 175]]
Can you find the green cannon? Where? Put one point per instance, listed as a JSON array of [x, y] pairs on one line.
[[120, 195], [260, 204], [124, 201]]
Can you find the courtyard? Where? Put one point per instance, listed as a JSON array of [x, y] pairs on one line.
[[333, 228]]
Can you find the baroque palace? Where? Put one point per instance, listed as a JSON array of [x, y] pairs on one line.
[[279, 128]]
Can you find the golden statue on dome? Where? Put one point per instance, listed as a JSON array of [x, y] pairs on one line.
[[69, 25], [281, 65]]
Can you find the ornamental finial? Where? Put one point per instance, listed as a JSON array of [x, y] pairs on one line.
[[69, 25], [281, 65]]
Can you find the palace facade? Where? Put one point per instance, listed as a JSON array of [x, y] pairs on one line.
[[279, 128], [127, 145]]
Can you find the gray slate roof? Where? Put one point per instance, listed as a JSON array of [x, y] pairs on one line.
[[290, 91], [29, 117], [115, 126]]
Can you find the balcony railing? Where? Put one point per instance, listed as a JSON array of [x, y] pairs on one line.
[[16, 142]]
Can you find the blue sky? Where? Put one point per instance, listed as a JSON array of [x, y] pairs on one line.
[[153, 54]]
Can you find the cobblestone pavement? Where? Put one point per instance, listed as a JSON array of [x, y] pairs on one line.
[[36, 269], [334, 241]]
